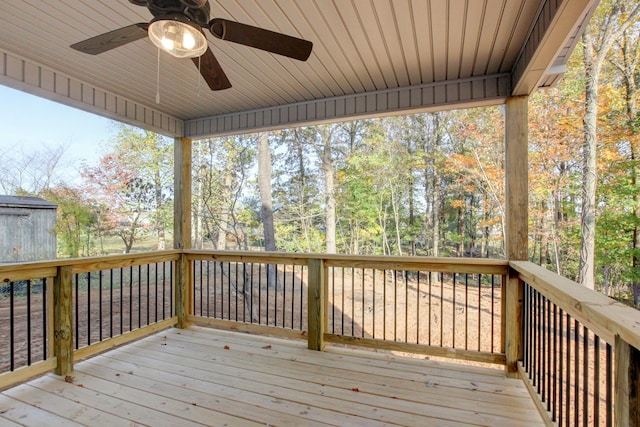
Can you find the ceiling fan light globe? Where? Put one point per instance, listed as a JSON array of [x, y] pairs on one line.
[[188, 42], [179, 39]]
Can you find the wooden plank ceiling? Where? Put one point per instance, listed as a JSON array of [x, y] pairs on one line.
[[361, 47]]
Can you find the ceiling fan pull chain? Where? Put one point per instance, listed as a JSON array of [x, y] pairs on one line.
[[158, 80], [198, 76]]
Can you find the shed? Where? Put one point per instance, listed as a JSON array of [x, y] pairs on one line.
[[27, 229]]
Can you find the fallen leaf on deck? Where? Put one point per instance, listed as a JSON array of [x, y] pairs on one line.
[[355, 389], [267, 347], [194, 404], [80, 385], [226, 347], [68, 379]]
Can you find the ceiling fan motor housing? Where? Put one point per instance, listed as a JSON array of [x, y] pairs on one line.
[[195, 10]]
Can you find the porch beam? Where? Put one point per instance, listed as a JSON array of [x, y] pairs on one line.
[[556, 31], [463, 93]]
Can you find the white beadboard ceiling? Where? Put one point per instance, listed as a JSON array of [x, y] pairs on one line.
[[370, 57]]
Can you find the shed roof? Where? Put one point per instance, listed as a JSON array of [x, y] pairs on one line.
[[370, 57], [26, 202]]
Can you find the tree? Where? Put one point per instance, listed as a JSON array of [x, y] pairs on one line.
[[221, 167], [127, 198], [151, 156], [297, 194], [612, 20], [31, 171], [76, 220], [264, 185]]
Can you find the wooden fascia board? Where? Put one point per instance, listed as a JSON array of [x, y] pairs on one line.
[[28, 76], [463, 93], [556, 22]]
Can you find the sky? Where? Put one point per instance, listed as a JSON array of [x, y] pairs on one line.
[[33, 122]]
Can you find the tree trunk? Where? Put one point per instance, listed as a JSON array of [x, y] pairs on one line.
[[223, 223], [264, 185], [586, 276], [621, 17], [330, 196]]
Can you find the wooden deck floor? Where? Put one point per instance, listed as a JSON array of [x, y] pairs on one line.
[[202, 376]]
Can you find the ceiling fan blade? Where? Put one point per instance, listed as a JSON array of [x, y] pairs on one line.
[[260, 38], [112, 39], [212, 71]]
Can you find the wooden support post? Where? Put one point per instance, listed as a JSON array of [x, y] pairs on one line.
[[182, 226], [183, 295], [627, 385], [516, 179], [516, 222], [514, 344], [316, 310], [63, 321]]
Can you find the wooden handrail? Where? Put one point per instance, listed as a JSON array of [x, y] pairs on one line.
[[441, 264], [602, 315], [616, 323], [30, 270]]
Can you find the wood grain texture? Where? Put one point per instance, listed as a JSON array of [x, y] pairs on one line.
[[199, 376], [316, 305], [516, 178], [63, 321], [602, 315]]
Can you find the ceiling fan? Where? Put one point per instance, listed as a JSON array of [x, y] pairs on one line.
[[176, 28]]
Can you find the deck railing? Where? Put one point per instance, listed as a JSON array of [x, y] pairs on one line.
[[580, 351], [577, 350], [54, 312]]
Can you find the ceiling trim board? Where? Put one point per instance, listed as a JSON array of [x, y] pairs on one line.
[[462, 93]]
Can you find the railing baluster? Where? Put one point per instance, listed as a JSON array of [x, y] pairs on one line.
[[155, 306], [453, 309], [596, 379], [284, 295], [418, 308], [429, 278], [353, 300], [480, 311], [442, 308], [111, 303], [12, 317], [609, 384], [28, 322], [100, 337], [568, 394], [576, 384], [45, 314], [121, 300], [130, 299], [77, 312], [139, 296], [363, 303], [215, 291], [466, 311]]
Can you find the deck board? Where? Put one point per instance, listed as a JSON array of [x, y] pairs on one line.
[[201, 376]]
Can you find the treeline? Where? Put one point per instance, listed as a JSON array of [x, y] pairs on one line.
[[424, 184]]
